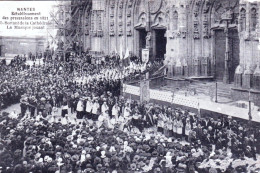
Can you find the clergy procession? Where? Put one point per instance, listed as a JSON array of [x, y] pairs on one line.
[[74, 117]]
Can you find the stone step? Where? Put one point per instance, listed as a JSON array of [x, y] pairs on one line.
[[221, 93], [204, 89]]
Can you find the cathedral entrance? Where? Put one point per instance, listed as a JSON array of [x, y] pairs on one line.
[[142, 40], [234, 51], [220, 50], [160, 44]]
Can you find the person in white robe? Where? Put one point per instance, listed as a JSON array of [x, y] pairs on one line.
[[89, 107], [122, 120], [160, 123], [174, 127], [95, 110], [104, 108], [187, 128], [115, 111], [80, 108], [179, 128], [127, 110]]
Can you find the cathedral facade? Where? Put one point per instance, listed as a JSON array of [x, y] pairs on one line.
[[196, 38]]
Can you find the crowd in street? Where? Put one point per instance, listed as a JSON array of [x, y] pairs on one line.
[[110, 132]]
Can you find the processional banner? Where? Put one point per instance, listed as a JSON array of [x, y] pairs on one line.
[[145, 55], [144, 91]]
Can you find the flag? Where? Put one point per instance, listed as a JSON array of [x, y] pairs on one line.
[[115, 51], [126, 54], [121, 53], [160, 70], [126, 60]]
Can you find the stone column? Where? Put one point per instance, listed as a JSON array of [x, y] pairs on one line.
[[256, 78], [247, 77], [226, 78], [170, 70], [178, 71], [205, 66], [238, 76], [196, 67], [185, 68]]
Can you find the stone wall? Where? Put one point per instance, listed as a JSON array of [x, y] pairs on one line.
[[114, 25]]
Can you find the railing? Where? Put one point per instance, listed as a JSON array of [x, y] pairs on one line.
[[164, 96]]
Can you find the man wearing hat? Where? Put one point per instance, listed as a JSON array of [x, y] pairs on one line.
[[41, 106], [32, 105], [23, 105]]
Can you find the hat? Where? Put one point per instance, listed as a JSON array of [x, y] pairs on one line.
[[75, 158], [157, 170], [17, 152], [88, 156], [38, 155], [133, 166], [155, 153], [99, 167], [136, 158]]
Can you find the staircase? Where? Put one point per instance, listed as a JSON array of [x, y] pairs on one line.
[[223, 90], [200, 88]]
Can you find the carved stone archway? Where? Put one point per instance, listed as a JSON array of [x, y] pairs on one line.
[[224, 29]]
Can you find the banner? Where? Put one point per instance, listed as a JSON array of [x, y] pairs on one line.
[[144, 91], [126, 59], [145, 55]]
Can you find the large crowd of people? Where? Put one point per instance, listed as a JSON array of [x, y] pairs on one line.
[[109, 133]]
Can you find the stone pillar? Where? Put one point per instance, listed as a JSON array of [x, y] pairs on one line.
[[190, 67], [226, 78], [256, 78], [178, 71], [185, 68], [170, 70], [196, 67], [247, 78], [205, 66], [238, 76]]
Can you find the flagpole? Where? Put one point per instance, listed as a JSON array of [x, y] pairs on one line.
[[199, 109]]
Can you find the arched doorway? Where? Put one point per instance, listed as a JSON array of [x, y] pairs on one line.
[[140, 27], [142, 40], [160, 44], [220, 51], [224, 25]]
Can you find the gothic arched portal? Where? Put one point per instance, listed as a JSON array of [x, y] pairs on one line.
[[224, 25]]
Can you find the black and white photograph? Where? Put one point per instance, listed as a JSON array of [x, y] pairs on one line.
[[130, 86]]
